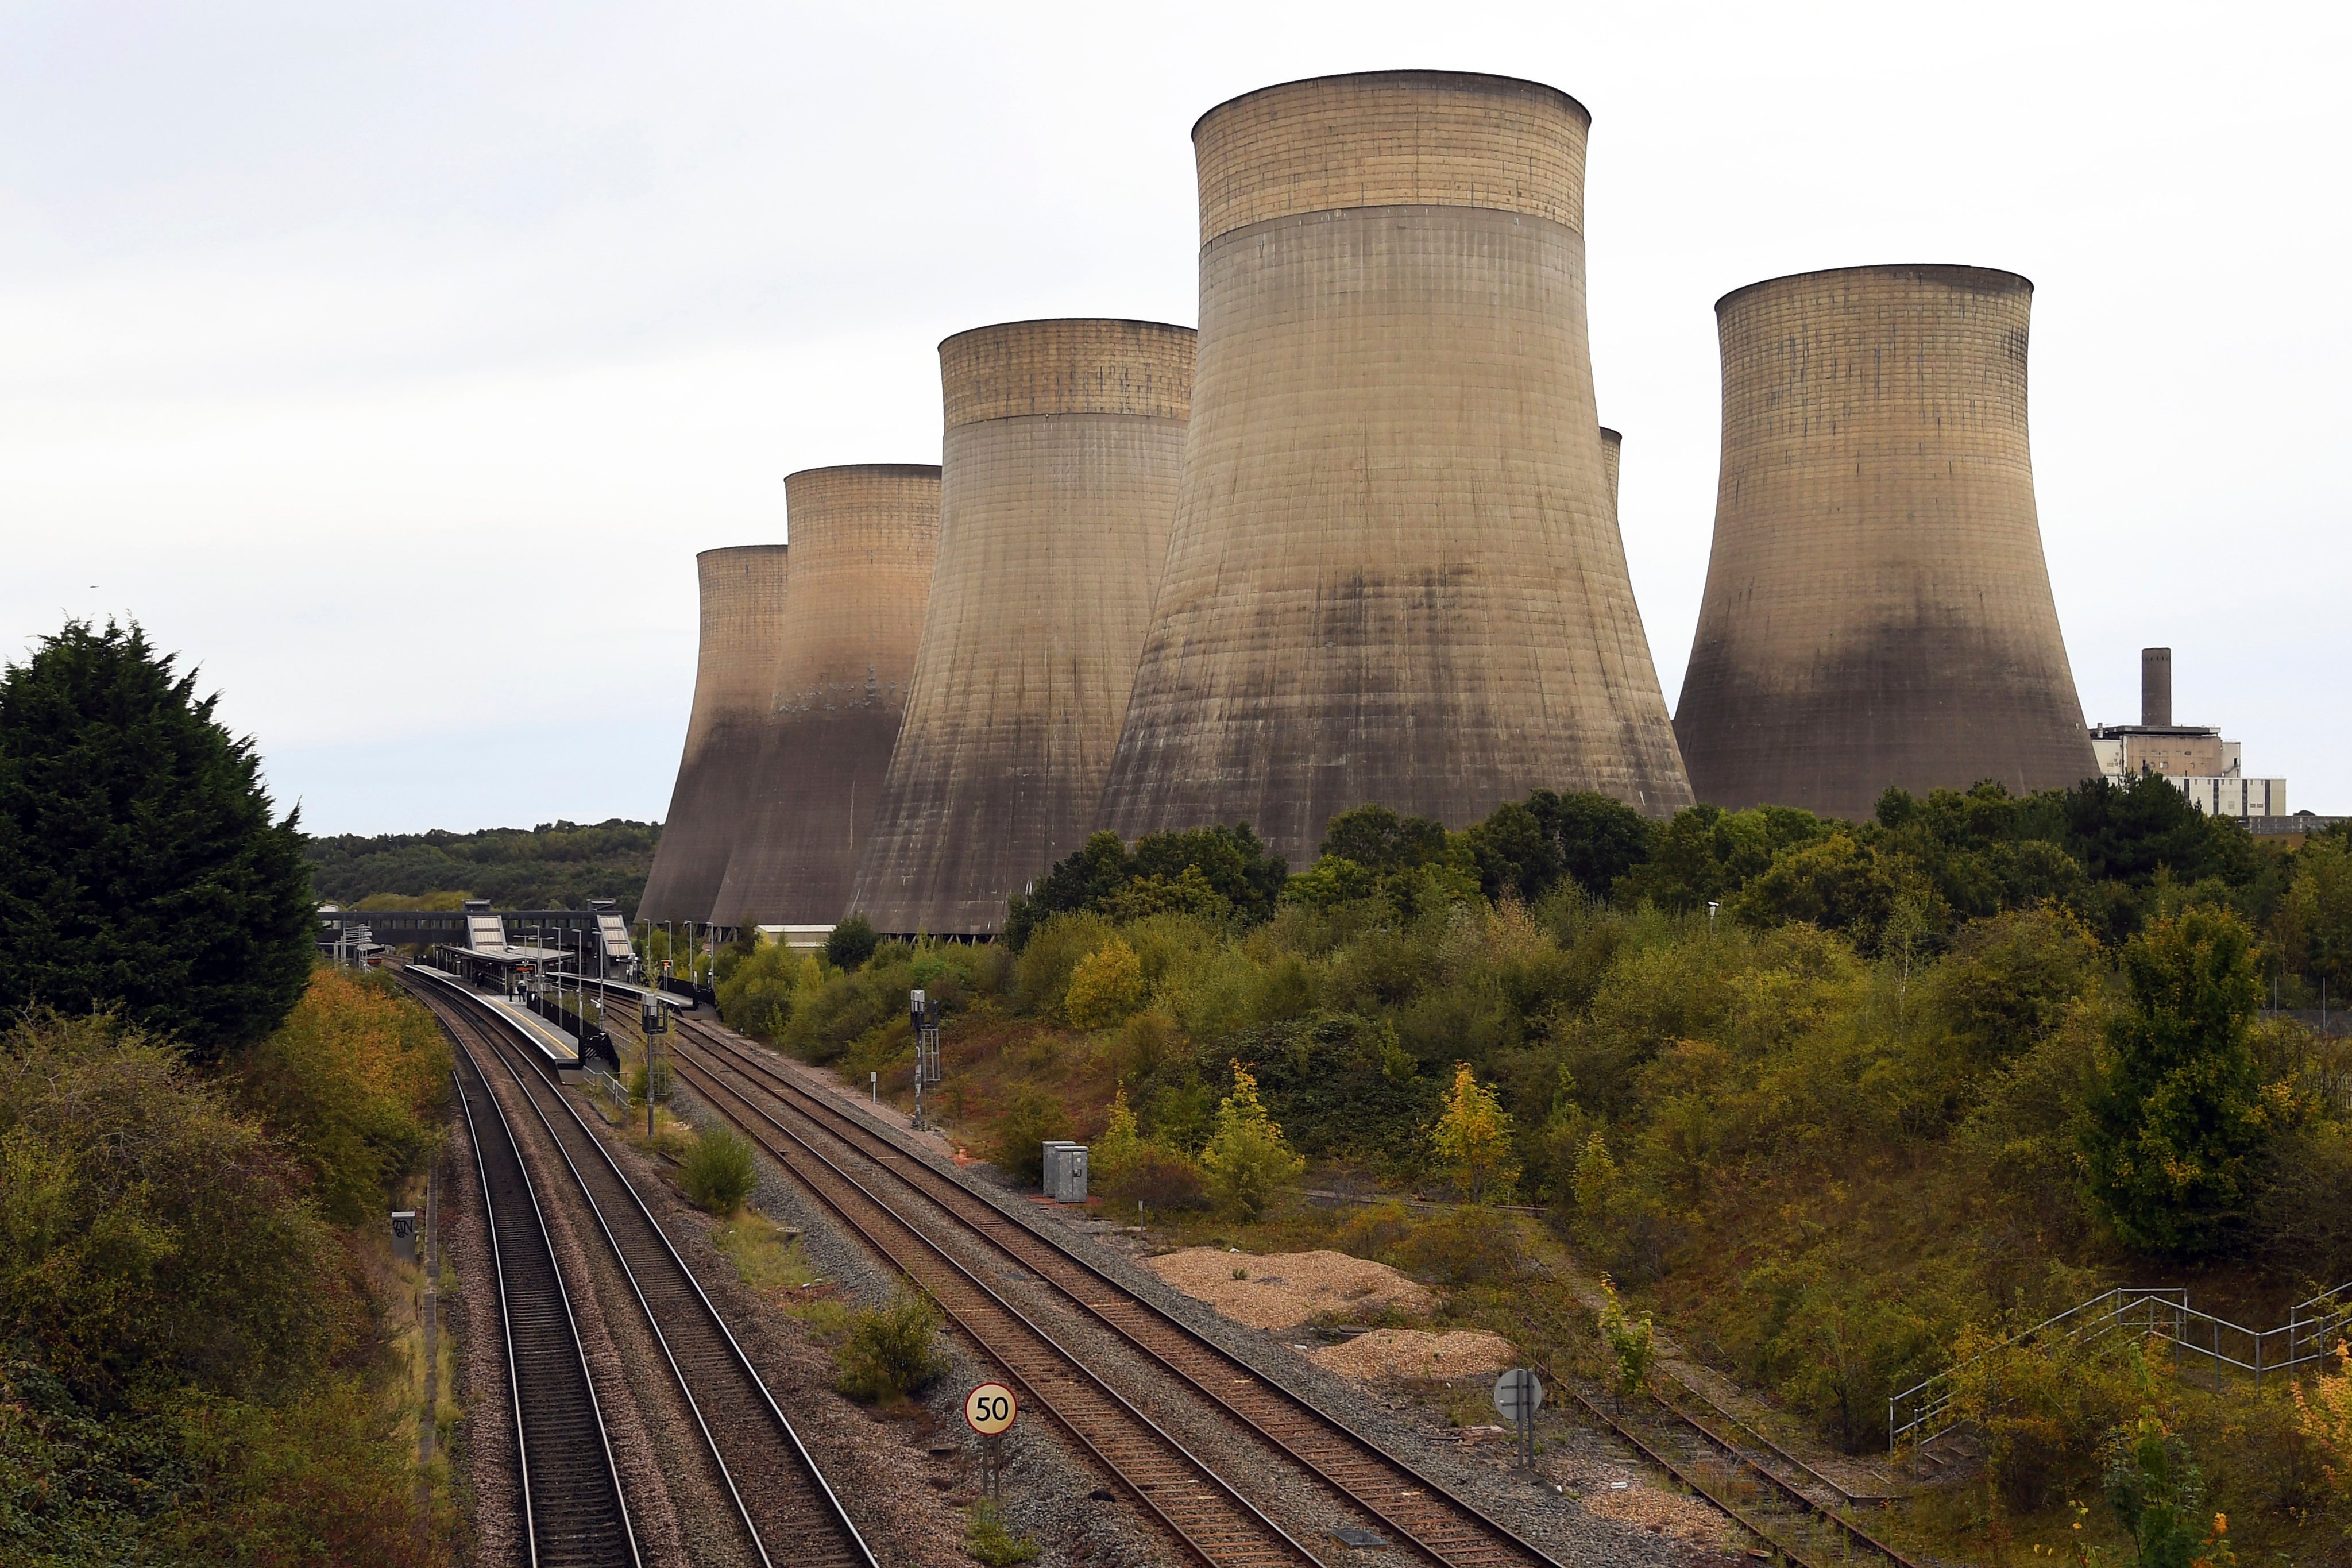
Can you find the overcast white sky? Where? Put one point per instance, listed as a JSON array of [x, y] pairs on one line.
[[393, 361]]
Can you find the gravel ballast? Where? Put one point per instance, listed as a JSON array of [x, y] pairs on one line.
[[1535, 1507]]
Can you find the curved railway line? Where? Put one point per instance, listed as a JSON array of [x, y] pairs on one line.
[[1215, 1524], [1764, 1489], [572, 1508], [788, 1510], [1426, 1520]]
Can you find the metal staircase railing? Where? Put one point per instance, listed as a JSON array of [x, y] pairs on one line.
[[2310, 1334]]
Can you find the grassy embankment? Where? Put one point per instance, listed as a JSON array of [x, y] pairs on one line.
[[213, 1355], [1881, 1105]]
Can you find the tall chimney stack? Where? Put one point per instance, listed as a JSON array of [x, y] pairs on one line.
[[2156, 688]]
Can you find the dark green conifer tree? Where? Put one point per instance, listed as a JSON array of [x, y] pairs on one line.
[[140, 864]]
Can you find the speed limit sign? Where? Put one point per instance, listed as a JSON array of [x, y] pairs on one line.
[[989, 1409]]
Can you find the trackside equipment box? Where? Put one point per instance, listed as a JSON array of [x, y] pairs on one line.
[[1066, 1172]]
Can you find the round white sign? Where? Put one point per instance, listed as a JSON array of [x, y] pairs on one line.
[[1518, 1394], [990, 1409]]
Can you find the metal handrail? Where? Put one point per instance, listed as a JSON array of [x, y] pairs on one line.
[[2163, 1310]]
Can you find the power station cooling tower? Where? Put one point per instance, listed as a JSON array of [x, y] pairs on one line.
[[863, 541], [1393, 574], [1064, 443], [725, 731], [1877, 610]]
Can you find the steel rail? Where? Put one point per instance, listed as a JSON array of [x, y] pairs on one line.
[[588, 1512], [1758, 1438], [1788, 1494], [1430, 1520], [1218, 1527], [847, 1545]]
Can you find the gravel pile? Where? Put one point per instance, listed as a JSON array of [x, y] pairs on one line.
[[1283, 1289], [1413, 1353]]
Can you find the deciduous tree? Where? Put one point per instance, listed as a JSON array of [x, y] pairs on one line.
[[1247, 1161], [1473, 1138]]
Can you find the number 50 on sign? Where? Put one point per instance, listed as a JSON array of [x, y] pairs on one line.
[[989, 1409]]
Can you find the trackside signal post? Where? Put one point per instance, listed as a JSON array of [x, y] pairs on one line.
[[924, 1011], [654, 1017]]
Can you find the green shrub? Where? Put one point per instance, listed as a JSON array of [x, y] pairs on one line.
[[354, 1081], [656, 1077], [1032, 1119], [1119, 1146], [1618, 1222], [2159, 1495], [987, 1538], [892, 1353], [1378, 1231], [1144, 1042], [1105, 987], [759, 991], [2047, 1407], [2173, 1123], [1468, 1246], [850, 944], [1162, 1180], [1041, 975], [1632, 1344], [1248, 1163], [718, 1175]]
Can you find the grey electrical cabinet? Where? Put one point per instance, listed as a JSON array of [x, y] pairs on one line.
[[1066, 1172]]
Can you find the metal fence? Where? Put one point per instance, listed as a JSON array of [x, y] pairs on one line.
[[2310, 1334], [609, 1089]]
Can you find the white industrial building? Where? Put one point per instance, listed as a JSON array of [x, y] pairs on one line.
[[2200, 762]]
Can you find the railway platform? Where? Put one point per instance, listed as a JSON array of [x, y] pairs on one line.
[[557, 1050]]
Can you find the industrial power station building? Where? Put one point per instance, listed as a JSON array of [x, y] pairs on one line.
[[1393, 574], [728, 732], [1877, 610], [1065, 440], [1357, 542], [863, 541]]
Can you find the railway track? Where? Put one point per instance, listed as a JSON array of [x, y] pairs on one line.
[[572, 1508], [1744, 1476], [1765, 1490], [1761, 1487], [1213, 1523], [1426, 1519], [788, 1510]]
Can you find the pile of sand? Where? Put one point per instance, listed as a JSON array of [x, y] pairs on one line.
[[1411, 1354], [1286, 1288]]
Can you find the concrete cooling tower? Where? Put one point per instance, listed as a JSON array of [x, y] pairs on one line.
[[1064, 443], [725, 731], [863, 541], [1613, 450], [1393, 575], [1877, 611]]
